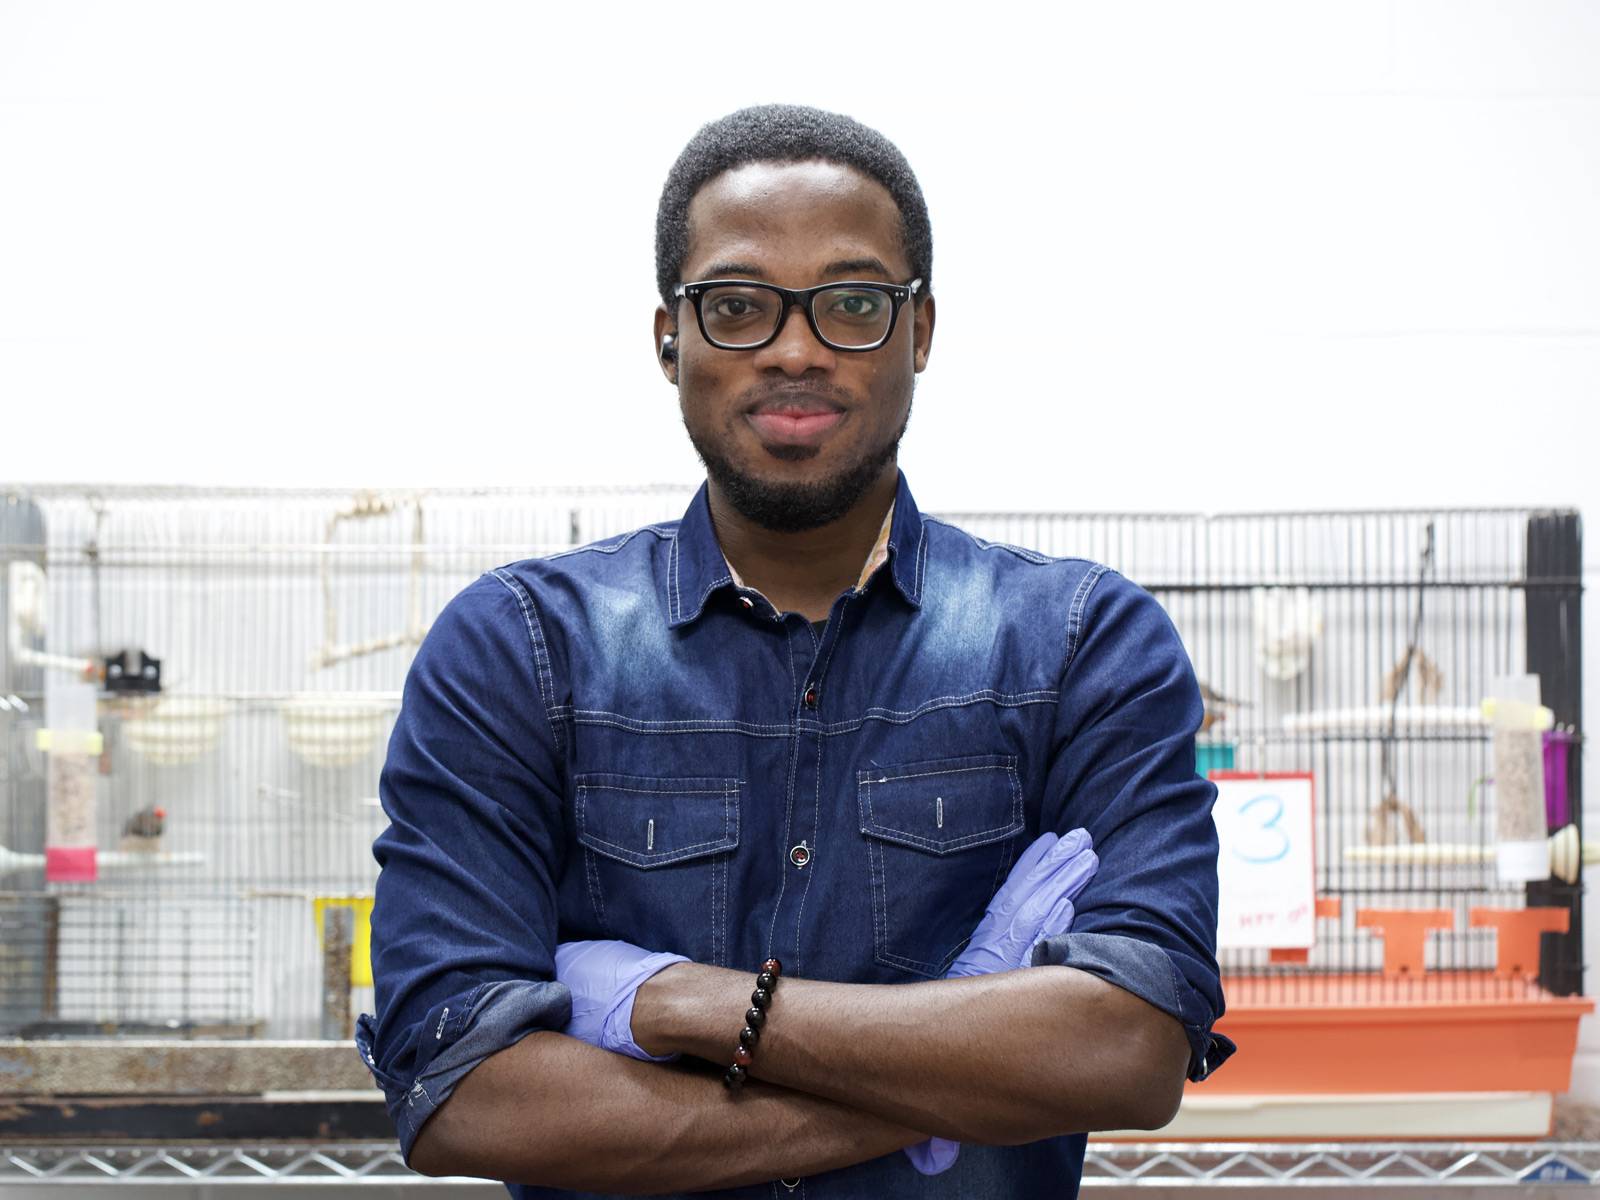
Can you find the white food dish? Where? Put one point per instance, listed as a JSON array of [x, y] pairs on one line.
[[326, 729], [176, 729], [1287, 624]]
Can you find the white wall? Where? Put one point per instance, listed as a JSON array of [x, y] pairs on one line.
[[1339, 253], [1265, 255]]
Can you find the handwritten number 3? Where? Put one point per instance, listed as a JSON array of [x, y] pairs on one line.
[[1270, 825]]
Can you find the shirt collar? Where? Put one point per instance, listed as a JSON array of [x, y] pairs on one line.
[[875, 556], [696, 566]]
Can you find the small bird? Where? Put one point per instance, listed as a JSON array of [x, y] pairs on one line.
[[1430, 680], [143, 830], [1392, 819], [1215, 702]]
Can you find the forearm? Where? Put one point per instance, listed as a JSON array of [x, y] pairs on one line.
[[1000, 1059], [617, 1124]]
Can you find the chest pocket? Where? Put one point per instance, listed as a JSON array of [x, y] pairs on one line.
[[655, 859], [941, 835]]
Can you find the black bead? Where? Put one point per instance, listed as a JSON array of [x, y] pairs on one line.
[[754, 1017], [761, 997], [749, 1036], [766, 980], [734, 1076]]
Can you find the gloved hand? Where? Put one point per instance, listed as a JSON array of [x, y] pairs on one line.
[[934, 1155], [604, 977], [1035, 902]]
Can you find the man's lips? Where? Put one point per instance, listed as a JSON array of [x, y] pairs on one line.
[[794, 420]]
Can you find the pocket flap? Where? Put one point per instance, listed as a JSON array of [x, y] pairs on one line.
[[942, 805], [650, 822]]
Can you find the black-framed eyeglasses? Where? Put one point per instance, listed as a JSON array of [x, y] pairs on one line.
[[741, 314]]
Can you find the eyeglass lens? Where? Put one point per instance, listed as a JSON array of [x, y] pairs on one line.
[[744, 316]]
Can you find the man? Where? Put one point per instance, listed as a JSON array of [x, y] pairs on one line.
[[807, 723]]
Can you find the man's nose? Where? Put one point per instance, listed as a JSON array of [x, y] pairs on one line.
[[796, 349]]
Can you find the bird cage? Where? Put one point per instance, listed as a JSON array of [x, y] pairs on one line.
[[243, 653], [210, 676], [1350, 662]]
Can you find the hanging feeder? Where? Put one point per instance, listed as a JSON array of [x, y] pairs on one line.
[[176, 729], [330, 729]]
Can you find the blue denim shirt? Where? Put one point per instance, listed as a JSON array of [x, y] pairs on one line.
[[620, 742]]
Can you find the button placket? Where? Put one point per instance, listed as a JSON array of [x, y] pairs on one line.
[[808, 662]]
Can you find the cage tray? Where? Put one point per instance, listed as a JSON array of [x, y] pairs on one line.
[[1445, 1031]]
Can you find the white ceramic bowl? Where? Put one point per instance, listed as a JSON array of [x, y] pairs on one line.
[[176, 729], [327, 729]]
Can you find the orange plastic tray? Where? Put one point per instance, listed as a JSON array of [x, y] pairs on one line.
[[1445, 1031]]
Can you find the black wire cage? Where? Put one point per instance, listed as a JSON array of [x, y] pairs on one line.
[[1358, 647], [243, 653]]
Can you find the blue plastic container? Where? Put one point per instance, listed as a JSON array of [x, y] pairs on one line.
[[1212, 756]]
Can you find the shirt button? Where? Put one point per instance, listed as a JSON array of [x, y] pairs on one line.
[[811, 696], [800, 855], [747, 602]]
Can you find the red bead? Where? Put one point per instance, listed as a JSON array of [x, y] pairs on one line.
[[772, 966], [742, 1056]]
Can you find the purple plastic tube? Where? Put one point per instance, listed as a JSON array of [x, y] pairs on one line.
[[1556, 809]]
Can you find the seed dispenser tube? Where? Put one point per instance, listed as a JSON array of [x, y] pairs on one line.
[[71, 738], [1518, 721]]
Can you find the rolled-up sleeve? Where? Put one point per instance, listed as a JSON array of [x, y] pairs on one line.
[[464, 919], [1123, 767]]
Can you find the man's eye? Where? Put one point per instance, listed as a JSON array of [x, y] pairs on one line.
[[857, 305], [734, 307]]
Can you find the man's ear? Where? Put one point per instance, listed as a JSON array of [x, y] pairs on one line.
[[921, 332], [666, 350]]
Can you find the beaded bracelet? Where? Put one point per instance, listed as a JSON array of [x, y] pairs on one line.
[[754, 1018]]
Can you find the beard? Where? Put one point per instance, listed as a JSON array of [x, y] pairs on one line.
[[797, 507]]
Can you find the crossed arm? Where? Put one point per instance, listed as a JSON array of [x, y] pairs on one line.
[[844, 1073]]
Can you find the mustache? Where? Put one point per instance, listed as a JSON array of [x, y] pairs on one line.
[[754, 397]]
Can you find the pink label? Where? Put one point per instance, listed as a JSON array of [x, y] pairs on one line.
[[70, 864]]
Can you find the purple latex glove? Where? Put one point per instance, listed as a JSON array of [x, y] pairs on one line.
[[1035, 902], [604, 977], [934, 1155]]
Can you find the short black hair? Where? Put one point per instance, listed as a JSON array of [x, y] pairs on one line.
[[786, 133]]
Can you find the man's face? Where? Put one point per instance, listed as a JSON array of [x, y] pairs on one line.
[[794, 433]]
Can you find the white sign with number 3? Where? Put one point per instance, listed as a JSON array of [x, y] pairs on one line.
[[1265, 871]]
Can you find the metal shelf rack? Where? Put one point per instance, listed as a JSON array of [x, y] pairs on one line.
[[1107, 1164]]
